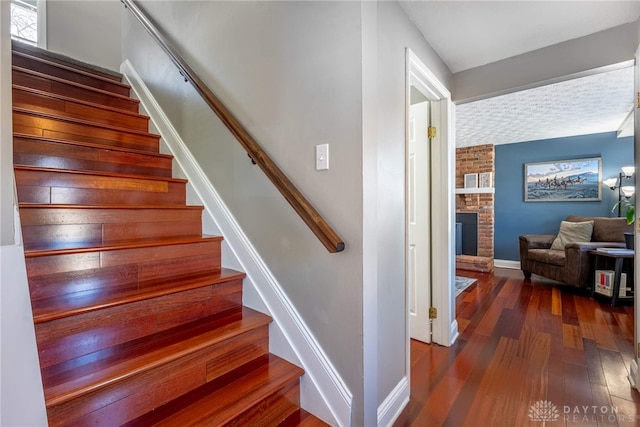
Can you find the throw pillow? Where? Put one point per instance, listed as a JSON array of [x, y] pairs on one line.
[[572, 232]]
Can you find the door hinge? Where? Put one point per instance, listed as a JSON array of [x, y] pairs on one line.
[[637, 99], [431, 132], [433, 313]]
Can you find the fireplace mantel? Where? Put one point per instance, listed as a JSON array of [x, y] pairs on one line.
[[488, 190]]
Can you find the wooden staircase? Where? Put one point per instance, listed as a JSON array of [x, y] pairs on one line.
[[137, 322]]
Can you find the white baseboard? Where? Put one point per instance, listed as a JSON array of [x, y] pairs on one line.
[[634, 380], [506, 263], [323, 392], [391, 408], [454, 334]]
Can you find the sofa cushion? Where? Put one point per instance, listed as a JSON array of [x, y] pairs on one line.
[[572, 232], [547, 256], [605, 229]]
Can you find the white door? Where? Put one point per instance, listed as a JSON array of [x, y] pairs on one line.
[[418, 221]]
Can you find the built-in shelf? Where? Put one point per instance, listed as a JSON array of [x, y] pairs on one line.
[[485, 190]]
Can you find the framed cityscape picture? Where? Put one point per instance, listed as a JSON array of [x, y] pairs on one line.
[[563, 180]]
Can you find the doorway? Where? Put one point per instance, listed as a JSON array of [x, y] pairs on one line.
[[418, 220], [435, 288]]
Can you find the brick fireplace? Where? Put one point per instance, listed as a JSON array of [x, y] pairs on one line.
[[472, 160]]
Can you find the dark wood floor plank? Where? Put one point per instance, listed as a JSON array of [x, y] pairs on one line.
[[525, 342]]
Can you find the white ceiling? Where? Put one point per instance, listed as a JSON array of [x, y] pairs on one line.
[[593, 104], [495, 30]]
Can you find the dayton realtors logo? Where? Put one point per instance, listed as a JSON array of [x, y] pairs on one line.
[[545, 411]]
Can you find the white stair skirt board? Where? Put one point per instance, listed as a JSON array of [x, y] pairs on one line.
[[322, 390]]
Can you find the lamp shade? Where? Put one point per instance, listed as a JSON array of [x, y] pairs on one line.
[[628, 191], [628, 170], [611, 182]]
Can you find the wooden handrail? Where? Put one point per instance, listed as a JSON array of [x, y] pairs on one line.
[[300, 204]]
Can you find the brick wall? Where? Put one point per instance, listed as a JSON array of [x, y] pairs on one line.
[[477, 159]]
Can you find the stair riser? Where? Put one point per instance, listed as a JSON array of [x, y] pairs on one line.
[[65, 108], [153, 262], [97, 234], [40, 82], [50, 127], [111, 280], [32, 216], [271, 411], [116, 405], [106, 279], [60, 195], [71, 338], [50, 187], [45, 67], [53, 154]]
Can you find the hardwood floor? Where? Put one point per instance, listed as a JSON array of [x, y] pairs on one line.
[[525, 345]]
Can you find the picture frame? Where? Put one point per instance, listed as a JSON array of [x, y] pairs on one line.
[[574, 180], [485, 180], [470, 180]]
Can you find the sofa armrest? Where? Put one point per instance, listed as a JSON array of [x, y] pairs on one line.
[[537, 241], [532, 241], [579, 261]]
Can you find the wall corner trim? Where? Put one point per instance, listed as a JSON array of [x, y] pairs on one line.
[[390, 409], [317, 366]]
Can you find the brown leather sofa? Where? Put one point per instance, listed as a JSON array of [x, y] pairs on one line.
[[573, 265]]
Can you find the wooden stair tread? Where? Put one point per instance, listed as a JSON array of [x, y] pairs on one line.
[[57, 206], [76, 84], [75, 70], [91, 145], [52, 308], [302, 418], [18, 46], [76, 378], [134, 314], [99, 174], [83, 122], [82, 247], [220, 401], [78, 101]]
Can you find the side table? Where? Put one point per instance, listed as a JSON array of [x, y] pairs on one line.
[[618, 255]]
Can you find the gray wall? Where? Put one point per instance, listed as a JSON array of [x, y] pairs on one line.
[[88, 31], [294, 84], [22, 398], [299, 74], [558, 62], [6, 145], [396, 33]]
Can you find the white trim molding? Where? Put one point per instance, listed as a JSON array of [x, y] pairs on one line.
[[391, 408], [506, 263], [323, 392], [444, 327]]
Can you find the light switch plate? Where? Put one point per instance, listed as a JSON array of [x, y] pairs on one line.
[[322, 157]]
